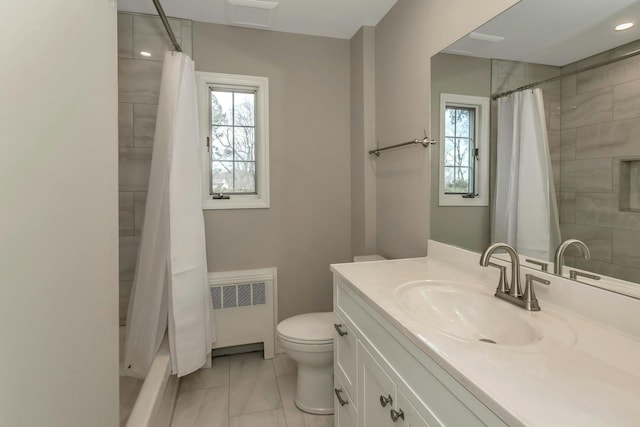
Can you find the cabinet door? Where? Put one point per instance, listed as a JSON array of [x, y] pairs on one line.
[[344, 355], [376, 392], [345, 414], [411, 416]]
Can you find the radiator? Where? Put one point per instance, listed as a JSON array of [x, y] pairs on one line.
[[245, 308]]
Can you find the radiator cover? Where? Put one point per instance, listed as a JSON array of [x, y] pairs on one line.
[[245, 308]]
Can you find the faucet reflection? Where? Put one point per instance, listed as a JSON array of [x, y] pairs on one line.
[[558, 258]]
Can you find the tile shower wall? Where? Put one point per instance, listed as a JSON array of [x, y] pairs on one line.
[[600, 126], [138, 90]]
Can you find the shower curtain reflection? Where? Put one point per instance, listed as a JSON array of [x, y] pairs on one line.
[[525, 212]]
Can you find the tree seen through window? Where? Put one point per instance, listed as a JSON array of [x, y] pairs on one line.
[[459, 150], [233, 160]]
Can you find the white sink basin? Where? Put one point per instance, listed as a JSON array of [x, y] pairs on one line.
[[460, 312]]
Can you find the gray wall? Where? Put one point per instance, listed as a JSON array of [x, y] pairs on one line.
[[464, 226], [58, 215], [363, 139], [308, 225], [138, 91], [600, 126], [406, 38]]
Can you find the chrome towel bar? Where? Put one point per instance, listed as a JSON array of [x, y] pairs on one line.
[[426, 141]]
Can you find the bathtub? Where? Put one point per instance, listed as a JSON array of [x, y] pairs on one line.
[[157, 397]]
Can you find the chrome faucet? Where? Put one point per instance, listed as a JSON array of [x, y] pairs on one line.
[[512, 291], [558, 258], [513, 288]]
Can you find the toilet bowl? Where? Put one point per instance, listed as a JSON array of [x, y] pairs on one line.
[[308, 339]]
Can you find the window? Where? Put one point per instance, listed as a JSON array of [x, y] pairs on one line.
[[464, 150], [234, 129]]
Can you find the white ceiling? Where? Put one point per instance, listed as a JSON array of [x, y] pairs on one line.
[[554, 32], [329, 18]]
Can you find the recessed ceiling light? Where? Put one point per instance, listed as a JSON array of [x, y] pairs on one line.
[[143, 53], [625, 26]]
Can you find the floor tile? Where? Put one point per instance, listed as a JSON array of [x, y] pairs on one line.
[[205, 407], [215, 376], [284, 365], [252, 385], [287, 387], [252, 395], [272, 418]]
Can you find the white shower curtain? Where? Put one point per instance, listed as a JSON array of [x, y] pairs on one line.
[[525, 212], [170, 289]]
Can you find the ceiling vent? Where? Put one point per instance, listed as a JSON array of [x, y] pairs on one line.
[[485, 37], [251, 13], [472, 44]]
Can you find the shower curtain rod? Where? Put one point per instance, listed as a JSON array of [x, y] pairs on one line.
[[568, 74], [167, 27]]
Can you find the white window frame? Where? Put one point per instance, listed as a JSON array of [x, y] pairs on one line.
[[481, 170], [236, 201]]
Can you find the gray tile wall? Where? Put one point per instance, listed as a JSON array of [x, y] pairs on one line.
[[138, 90], [600, 125]]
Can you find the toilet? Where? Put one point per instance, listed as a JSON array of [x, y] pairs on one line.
[[308, 339]]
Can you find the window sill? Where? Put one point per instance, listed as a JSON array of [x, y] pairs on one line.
[[237, 202], [447, 200]]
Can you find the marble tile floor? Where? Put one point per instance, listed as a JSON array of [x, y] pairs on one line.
[[243, 390]]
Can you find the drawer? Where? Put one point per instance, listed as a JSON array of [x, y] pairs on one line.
[[344, 355], [345, 413]]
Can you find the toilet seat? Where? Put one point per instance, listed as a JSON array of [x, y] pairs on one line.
[[307, 346], [305, 342], [309, 328]]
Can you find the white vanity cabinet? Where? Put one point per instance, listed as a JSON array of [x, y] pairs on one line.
[[389, 381], [382, 402]]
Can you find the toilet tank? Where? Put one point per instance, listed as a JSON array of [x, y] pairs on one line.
[[363, 258]]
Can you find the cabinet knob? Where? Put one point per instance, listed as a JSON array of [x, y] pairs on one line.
[[338, 327], [342, 401], [397, 414], [385, 400]]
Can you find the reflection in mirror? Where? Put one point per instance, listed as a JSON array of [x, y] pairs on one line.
[[582, 180]]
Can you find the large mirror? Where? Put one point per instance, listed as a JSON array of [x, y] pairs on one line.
[[582, 179]]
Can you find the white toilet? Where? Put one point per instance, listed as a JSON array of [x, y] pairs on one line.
[[308, 339]]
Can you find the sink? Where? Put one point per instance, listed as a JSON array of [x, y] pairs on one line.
[[459, 311]]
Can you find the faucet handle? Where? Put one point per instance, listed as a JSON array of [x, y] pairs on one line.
[[544, 266], [574, 274], [529, 297], [503, 286]]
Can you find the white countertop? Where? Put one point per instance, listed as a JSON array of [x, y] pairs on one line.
[[593, 381]]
